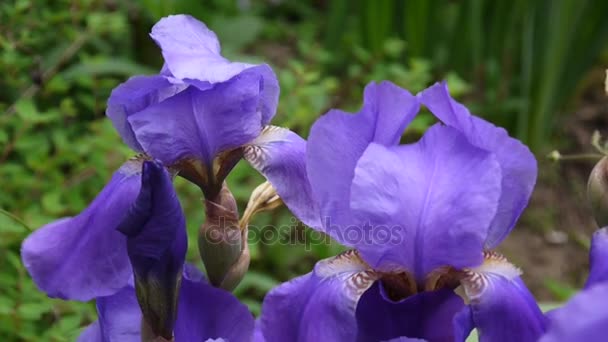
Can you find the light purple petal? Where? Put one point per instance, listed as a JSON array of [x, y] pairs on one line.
[[192, 54], [119, 319], [280, 155], [338, 139], [425, 205], [91, 333], [583, 318], [84, 257], [598, 258], [517, 163], [200, 124], [191, 50], [506, 311], [206, 312], [427, 315], [319, 306], [136, 94]]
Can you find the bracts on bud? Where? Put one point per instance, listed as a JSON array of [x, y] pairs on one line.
[[597, 192], [222, 243]]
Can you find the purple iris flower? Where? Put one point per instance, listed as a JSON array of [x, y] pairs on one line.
[[421, 218], [197, 117], [585, 316], [200, 110], [163, 288]]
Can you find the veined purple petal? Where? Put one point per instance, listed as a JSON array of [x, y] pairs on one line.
[[338, 139], [583, 318], [517, 163], [426, 205], [280, 155], [427, 315], [192, 54], [199, 124], [84, 257], [501, 307], [319, 306], [119, 319], [135, 95], [206, 312], [598, 258]]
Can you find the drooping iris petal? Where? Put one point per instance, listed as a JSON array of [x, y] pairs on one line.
[[156, 243], [501, 307], [192, 53], [198, 124], [206, 312], [319, 306], [280, 155], [427, 315], [598, 258], [583, 318], [337, 140], [517, 163], [426, 205], [84, 257], [136, 94], [119, 319]]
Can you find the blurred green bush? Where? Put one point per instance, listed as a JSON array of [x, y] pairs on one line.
[[60, 60]]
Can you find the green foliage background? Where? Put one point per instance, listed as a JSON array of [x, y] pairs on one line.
[[60, 60]]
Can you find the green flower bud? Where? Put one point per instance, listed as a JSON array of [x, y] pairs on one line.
[[222, 243]]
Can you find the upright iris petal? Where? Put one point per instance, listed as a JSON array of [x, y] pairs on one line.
[[435, 199], [517, 163], [200, 110], [156, 244], [84, 257]]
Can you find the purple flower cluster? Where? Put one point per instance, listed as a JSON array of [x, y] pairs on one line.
[[449, 200]]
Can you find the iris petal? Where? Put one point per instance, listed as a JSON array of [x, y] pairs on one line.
[[200, 124], [598, 258], [319, 306], [517, 163], [435, 199], [84, 257], [583, 318], [206, 312], [427, 315], [280, 155], [192, 54], [501, 307], [136, 94], [119, 319], [338, 139]]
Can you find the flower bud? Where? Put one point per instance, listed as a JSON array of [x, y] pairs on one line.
[[222, 243], [597, 192]]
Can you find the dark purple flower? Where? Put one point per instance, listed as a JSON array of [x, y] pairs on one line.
[[204, 313], [156, 244], [197, 113], [421, 217], [84, 257]]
